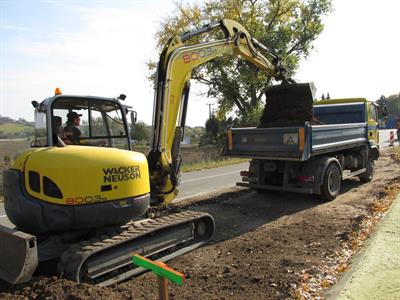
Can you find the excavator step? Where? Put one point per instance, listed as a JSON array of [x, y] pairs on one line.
[[106, 259]]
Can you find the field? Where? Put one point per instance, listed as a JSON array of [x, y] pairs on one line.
[[15, 130], [10, 147]]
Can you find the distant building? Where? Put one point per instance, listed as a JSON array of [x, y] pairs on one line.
[[186, 140]]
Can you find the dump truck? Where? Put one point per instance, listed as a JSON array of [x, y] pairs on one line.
[[339, 141]]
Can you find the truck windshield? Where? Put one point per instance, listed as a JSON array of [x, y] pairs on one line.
[[90, 121]]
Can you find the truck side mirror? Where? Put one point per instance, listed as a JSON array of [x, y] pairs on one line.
[[133, 117]]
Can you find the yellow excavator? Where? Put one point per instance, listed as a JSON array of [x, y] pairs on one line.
[[82, 203]]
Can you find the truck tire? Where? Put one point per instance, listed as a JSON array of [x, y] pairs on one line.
[[330, 187], [367, 176]]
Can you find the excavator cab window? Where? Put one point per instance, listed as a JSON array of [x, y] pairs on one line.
[[101, 122]]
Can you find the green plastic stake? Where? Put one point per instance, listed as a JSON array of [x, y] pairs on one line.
[[159, 268]]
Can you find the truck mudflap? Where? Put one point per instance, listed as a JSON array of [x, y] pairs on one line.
[[18, 254]]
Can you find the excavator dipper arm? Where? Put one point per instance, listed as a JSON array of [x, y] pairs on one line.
[[176, 63]]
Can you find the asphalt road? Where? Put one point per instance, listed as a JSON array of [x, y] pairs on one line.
[[209, 180]]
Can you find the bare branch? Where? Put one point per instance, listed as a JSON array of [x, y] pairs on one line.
[[301, 42], [202, 80], [274, 17], [188, 18]]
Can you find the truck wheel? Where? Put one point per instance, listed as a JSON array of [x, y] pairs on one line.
[[330, 187], [367, 176]]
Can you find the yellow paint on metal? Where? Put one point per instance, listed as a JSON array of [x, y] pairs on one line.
[[301, 139], [19, 161], [124, 172], [337, 101], [230, 140]]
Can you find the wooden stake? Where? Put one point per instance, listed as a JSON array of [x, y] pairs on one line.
[[163, 272], [162, 288]]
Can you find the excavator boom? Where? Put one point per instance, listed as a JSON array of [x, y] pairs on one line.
[[176, 63]]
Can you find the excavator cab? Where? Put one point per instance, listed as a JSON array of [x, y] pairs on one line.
[[102, 122]]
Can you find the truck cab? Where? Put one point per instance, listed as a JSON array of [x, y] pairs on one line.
[[352, 110]]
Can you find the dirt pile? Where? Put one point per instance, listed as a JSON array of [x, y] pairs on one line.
[[289, 105]]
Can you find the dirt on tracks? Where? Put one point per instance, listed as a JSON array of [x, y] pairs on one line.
[[266, 246]]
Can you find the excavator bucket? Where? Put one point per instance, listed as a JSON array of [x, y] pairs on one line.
[[18, 254], [289, 105]]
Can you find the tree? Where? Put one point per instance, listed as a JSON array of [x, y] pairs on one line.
[[288, 27], [140, 132]]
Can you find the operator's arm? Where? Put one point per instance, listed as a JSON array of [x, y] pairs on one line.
[[73, 134]]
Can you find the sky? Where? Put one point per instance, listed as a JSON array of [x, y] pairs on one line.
[[101, 48]]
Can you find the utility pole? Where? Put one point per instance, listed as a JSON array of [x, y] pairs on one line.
[[209, 109]]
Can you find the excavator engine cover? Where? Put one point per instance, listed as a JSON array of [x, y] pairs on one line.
[[289, 105]]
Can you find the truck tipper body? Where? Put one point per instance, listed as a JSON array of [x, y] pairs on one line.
[[311, 159]]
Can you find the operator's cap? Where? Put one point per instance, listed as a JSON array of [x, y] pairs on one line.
[[73, 115]]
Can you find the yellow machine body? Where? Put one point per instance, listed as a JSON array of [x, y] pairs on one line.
[[87, 175], [76, 187]]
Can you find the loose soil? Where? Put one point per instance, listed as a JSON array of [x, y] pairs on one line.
[[288, 105], [263, 245]]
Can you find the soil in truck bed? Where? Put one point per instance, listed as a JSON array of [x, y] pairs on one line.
[[265, 245], [289, 105]]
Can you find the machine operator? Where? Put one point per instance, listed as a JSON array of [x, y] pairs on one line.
[[71, 131]]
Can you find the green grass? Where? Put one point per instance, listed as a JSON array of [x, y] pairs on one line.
[[188, 167], [9, 128]]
